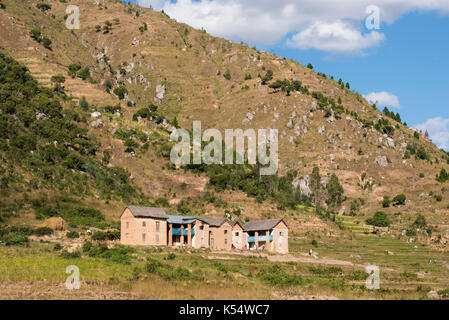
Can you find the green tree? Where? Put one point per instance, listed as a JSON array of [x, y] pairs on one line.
[[58, 80], [335, 191], [443, 176], [267, 77], [315, 184], [380, 219], [73, 69]]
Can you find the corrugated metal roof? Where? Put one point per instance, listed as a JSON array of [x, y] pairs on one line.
[[261, 225], [180, 219], [145, 212]]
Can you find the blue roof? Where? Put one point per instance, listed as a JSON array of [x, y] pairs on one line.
[[180, 219]]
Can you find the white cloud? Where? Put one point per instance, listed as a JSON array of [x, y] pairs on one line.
[[264, 22], [438, 129], [337, 37], [382, 99]]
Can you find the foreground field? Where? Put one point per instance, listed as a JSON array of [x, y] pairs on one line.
[[338, 272]]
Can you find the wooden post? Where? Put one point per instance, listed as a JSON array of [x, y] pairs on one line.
[[189, 234], [182, 235], [170, 234], [256, 239], [267, 240]]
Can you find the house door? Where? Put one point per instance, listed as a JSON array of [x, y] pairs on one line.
[[212, 243], [144, 237]]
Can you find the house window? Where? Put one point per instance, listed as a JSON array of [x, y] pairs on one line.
[[144, 224], [144, 237], [237, 234], [126, 235], [157, 239], [226, 241], [201, 227], [127, 225], [281, 234], [226, 232], [157, 226]]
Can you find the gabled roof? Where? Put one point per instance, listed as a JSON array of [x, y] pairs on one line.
[[261, 225], [213, 222], [145, 212], [234, 222]]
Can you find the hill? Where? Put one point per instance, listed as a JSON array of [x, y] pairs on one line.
[[86, 116]]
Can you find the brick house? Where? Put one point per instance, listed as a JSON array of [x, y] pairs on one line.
[[238, 236], [270, 235], [153, 227], [217, 232], [143, 226]]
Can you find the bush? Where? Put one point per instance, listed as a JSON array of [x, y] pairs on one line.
[[399, 200], [118, 254], [108, 235], [386, 202], [420, 222], [380, 219], [276, 277], [47, 43], [57, 247], [120, 92], [43, 6], [15, 239], [43, 231], [87, 246], [70, 255], [443, 176], [72, 235], [227, 75]]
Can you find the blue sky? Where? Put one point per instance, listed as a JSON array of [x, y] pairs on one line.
[[404, 63]]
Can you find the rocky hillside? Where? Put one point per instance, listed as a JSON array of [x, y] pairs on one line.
[[132, 74]]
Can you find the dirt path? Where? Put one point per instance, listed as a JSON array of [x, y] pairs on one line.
[[291, 258]]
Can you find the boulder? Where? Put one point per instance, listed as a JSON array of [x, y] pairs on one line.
[[55, 223], [382, 161]]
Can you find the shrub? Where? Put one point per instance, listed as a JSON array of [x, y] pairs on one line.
[[411, 232], [47, 43], [267, 77], [87, 246], [57, 247], [227, 75], [70, 255], [276, 277], [43, 6], [73, 69], [443, 176], [15, 238], [386, 202], [72, 235], [35, 34], [43, 231], [380, 219], [399, 200], [108, 235], [120, 92], [420, 222]]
